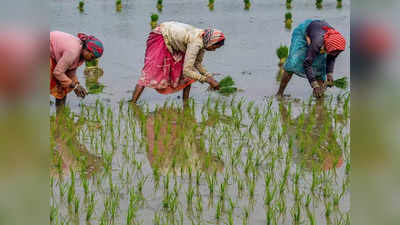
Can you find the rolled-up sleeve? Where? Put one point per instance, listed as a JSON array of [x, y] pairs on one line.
[[190, 68], [62, 67]]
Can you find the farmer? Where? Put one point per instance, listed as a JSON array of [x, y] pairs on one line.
[[174, 56], [313, 51], [67, 53]]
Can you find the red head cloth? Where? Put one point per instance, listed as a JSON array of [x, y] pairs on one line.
[[334, 41], [93, 44], [212, 36]]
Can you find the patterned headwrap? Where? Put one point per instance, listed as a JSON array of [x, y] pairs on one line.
[[334, 41], [93, 44], [212, 36]]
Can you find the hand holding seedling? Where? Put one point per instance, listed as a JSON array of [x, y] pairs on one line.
[[329, 80], [214, 85], [318, 91], [80, 91]]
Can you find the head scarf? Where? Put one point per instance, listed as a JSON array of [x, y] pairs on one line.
[[212, 36], [93, 44], [334, 41]]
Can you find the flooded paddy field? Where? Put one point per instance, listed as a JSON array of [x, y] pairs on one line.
[[232, 163], [247, 158], [249, 53]]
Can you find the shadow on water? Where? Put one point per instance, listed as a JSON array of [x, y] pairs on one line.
[[312, 136], [175, 143], [68, 152]]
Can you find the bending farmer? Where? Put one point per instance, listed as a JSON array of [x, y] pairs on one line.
[[174, 56], [67, 53], [313, 51]]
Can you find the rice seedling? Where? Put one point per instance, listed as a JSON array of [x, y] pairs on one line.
[[81, 6], [53, 214], [226, 86], [288, 20], [230, 216], [247, 4], [199, 204], [132, 208], [219, 211], [341, 83], [170, 201], [282, 52], [76, 206], [211, 182], [118, 5], [159, 5], [245, 217], [211, 4], [189, 195], [71, 189], [90, 207], [154, 19], [339, 4], [254, 142], [318, 4], [288, 4]]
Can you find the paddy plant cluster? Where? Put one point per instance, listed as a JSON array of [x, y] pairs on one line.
[[282, 53], [118, 5], [227, 161], [247, 4], [339, 4], [211, 5], [319, 4], [160, 5], [227, 86], [288, 20], [154, 20], [81, 6], [288, 4]]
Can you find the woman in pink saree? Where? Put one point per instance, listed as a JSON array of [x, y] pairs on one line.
[[173, 59]]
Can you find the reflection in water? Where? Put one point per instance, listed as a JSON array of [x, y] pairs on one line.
[[92, 75], [314, 140], [175, 142], [68, 152]]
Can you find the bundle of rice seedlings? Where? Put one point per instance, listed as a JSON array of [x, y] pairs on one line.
[[226, 86], [341, 83]]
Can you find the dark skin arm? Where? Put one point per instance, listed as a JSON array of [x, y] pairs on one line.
[[137, 93], [185, 97], [284, 81]]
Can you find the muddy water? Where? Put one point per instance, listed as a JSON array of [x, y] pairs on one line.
[[248, 55]]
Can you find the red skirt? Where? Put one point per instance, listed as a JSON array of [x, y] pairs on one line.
[[56, 89], [162, 70]]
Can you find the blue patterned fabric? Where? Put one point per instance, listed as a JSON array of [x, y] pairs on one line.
[[298, 52]]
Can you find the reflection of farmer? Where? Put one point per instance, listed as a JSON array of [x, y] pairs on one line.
[[314, 140], [68, 152], [313, 51], [174, 145], [67, 53], [174, 56]]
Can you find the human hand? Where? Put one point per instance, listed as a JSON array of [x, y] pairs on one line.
[[214, 85], [329, 80], [80, 91], [318, 91]]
